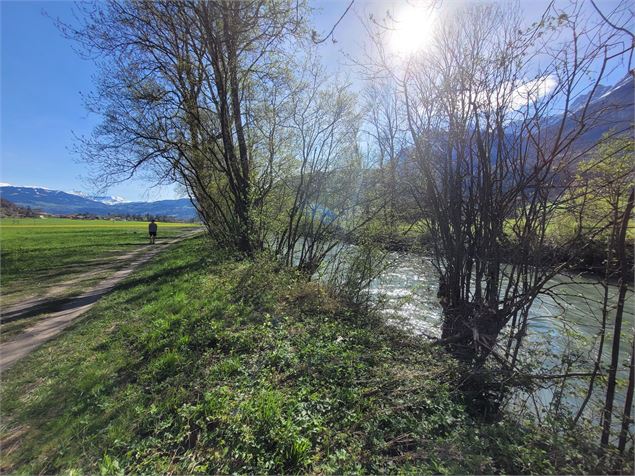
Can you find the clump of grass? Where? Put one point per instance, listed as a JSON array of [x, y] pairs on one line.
[[202, 364]]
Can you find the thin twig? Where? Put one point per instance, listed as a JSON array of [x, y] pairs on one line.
[[317, 42]]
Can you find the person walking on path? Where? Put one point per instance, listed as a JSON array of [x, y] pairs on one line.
[[152, 231]]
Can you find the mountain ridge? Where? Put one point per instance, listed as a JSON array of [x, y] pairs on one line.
[[64, 203]]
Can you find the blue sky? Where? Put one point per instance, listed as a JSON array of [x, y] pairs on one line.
[[41, 81], [42, 77]]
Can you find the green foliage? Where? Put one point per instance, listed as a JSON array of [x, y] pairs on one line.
[[201, 364], [601, 188], [609, 172], [109, 466]]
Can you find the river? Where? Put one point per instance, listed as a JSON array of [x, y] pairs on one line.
[[570, 320]]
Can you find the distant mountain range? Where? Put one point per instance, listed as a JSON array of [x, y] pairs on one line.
[[610, 109], [63, 203], [615, 104]]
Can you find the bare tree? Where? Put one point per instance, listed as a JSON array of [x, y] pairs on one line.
[[177, 95], [386, 129], [322, 198], [627, 420], [498, 116], [598, 195]]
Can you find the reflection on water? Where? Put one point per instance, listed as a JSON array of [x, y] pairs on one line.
[[568, 317], [408, 293]]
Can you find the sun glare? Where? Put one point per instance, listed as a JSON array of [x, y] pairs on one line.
[[414, 30]]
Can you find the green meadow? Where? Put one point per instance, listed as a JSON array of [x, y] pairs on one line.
[[37, 253]]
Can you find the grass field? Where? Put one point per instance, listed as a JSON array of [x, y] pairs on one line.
[[217, 366], [36, 254], [201, 364]]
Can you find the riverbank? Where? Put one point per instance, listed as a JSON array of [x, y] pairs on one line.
[[200, 363], [589, 257]]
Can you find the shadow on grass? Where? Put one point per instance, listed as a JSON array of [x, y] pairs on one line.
[[86, 374], [70, 303], [160, 277], [85, 266], [37, 250]]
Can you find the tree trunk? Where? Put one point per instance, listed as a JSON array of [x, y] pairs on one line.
[[624, 275], [628, 404], [471, 331], [605, 312]]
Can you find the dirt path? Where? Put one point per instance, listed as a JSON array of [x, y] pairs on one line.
[[56, 294], [62, 313]]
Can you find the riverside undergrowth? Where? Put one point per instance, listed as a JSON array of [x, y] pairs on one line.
[[202, 363]]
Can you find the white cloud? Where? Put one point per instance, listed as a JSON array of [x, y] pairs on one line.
[[532, 90]]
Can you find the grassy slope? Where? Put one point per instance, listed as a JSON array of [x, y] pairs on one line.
[[213, 365], [39, 252]]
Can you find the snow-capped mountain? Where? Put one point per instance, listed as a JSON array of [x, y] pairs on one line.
[[614, 106], [620, 94], [63, 203], [611, 109], [581, 100], [110, 199], [107, 199]]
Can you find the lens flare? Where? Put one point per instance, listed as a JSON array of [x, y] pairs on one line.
[[413, 30]]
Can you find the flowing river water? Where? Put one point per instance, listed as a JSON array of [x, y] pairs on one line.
[[567, 320]]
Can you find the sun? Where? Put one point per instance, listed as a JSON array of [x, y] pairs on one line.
[[413, 30]]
